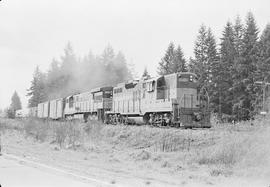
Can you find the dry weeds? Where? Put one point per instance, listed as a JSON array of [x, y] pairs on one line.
[[242, 148]]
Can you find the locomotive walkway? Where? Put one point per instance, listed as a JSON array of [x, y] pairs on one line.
[[18, 173]]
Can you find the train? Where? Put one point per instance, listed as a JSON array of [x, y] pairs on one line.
[[171, 100]]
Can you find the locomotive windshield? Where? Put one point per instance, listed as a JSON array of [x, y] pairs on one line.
[[107, 94], [187, 80]]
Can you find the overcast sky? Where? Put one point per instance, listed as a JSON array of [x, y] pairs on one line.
[[32, 32]]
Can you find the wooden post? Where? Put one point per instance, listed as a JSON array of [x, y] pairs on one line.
[[0, 142]]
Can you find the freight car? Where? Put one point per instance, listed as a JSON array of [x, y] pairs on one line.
[[43, 110], [56, 108], [29, 112], [170, 100]]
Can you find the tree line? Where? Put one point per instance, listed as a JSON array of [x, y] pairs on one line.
[[72, 74], [228, 69], [13, 107]]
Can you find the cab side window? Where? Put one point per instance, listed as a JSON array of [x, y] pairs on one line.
[[71, 100]]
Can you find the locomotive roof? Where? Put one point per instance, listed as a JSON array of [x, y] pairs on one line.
[[161, 77], [131, 84], [187, 73], [128, 84], [153, 79], [56, 99], [43, 102], [107, 88]]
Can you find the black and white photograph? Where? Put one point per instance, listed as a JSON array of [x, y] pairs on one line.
[[134, 93]]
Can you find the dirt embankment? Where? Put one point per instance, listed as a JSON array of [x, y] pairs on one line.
[[144, 156]]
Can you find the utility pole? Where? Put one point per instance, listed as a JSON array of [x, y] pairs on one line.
[[264, 85], [0, 141], [0, 146], [219, 103]]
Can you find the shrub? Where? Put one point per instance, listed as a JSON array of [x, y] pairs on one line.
[[3, 126], [74, 135], [229, 151], [60, 133], [171, 141], [36, 129], [93, 129], [226, 156]]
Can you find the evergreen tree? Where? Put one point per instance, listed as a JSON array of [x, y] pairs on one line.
[[10, 113], [173, 61], [206, 57], [263, 67], [145, 73], [166, 62], [114, 66], [237, 87], [263, 70], [211, 44], [37, 91], [225, 70], [68, 72], [201, 49], [213, 72], [108, 68], [179, 62], [108, 55], [199, 65], [238, 31], [206, 63], [247, 65], [54, 80], [88, 70], [68, 60], [120, 69], [15, 102]]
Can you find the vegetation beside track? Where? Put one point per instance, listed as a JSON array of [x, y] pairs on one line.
[[205, 155]]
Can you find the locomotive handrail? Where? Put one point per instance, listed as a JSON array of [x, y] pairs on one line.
[[208, 99]]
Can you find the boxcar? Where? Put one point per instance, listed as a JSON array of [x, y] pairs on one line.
[[56, 109], [43, 110]]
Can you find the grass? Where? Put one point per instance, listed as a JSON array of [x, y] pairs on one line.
[[72, 133], [230, 146], [242, 148]]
